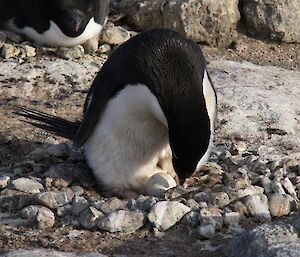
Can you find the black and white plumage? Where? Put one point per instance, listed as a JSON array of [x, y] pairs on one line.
[[56, 22], [150, 109]]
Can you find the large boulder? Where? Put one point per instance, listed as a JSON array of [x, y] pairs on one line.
[[208, 21], [259, 104], [278, 20]]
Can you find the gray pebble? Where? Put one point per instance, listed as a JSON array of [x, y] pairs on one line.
[[78, 190], [64, 210], [289, 187], [114, 35], [220, 199], [27, 185], [9, 51], [142, 203], [212, 216], [4, 181], [257, 206], [277, 187], [53, 199], [41, 215], [192, 218], [79, 204], [71, 53], [58, 150], [30, 212], [45, 218], [27, 51], [207, 231], [89, 218], [113, 204], [232, 219], [165, 214], [280, 205], [122, 221], [104, 48]]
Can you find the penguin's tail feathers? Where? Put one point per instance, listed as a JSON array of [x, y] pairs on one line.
[[56, 125]]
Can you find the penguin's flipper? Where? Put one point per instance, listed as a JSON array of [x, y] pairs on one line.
[[96, 100], [51, 123]]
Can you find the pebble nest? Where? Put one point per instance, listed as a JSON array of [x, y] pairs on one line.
[[53, 185]]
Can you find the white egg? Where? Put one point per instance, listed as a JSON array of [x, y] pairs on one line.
[[159, 183]]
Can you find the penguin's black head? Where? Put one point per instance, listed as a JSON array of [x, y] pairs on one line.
[[72, 16], [188, 149]]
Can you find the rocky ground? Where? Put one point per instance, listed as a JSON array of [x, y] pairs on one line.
[[243, 203]]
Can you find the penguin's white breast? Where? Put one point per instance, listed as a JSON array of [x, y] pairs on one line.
[[54, 36], [129, 140]]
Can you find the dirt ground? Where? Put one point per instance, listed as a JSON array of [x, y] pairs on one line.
[[16, 143]]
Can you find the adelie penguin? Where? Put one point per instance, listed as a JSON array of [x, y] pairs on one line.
[[62, 23], [148, 117]]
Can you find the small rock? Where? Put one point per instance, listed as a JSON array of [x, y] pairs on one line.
[[207, 231], [79, 204], [193, 204], [114, 35], [240, 207], [165, 214], [30, 212], [277, 187], [38, 154], [280, 205], [220, 199], [53, 199], [71, 53], [45, 218], [13, 200], [251, 190], [105, 48], [78, 190], [257, 206], [266, 183], [122, 221], [58, 150], [238, 147], [212, 216], [4, 181], [9, 51], [142, 203], [89, 218], [232, 219], [27, 185], [192, 218], [64, 210], [113, 204], [289, 187], [27, 51]]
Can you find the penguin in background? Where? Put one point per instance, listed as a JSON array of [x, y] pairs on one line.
[[148, 117], [62, 23]]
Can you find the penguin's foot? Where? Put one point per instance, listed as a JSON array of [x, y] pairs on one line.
[[91, 45]]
